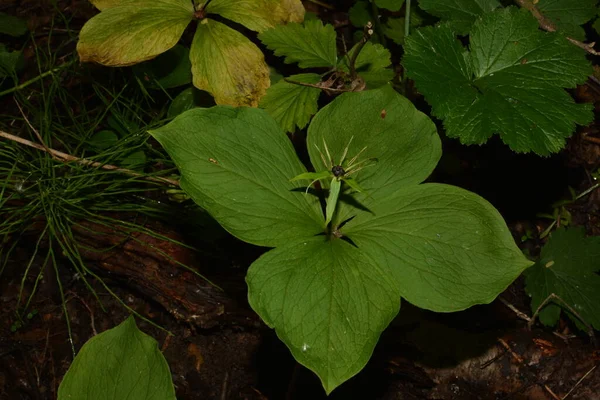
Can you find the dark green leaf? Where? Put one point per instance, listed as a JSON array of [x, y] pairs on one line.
[[311, 44], [460, 14], [511, 82], [327, 301], [11, 25], [568, 267], [290, 104], [569, 15], [237, 163]]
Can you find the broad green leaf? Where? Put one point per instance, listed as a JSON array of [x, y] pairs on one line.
[[569, 15], [120, 363], [511, 82], [258, 15], [448, 248], [371, 65], [568, 267], [134, 31], [392, 5], [168, 70], [403, 139], [11, 25], [460, 14], [10, 62], [311, 44], [327, 301], [292, 105], [228, 65], [134, 160], [236, 163]]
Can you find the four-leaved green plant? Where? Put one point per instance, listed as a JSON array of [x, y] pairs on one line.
[[329, 290], [224, 62]]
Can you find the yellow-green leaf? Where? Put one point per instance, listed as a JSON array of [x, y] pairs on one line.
[[133, 31], [104, 4], [228, 65], [258, 15]]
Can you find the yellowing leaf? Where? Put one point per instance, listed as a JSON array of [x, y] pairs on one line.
[[134, 31], [258, 15], [104, 4], [228, 65]]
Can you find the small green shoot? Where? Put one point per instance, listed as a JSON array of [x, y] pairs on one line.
[[338, 173]]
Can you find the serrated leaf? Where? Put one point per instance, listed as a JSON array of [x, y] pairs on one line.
[[11, 25], [251, 196], [134, 31], [511, 82], [371, 65], [228, 65], [360, 14], [447, 247], [392, 5], [327, 301], [311, 44], [568, 267], [569, 15], [292, 105], [120, 363], [403, 139], [460, 14], [258, 15]]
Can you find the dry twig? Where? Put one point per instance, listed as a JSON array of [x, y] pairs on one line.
[[64, 157]]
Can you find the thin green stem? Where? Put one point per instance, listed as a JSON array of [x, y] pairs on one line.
[[407, 19], [37, 78], [377, 23]]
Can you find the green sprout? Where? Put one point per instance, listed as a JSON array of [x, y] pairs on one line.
[[338, 173]]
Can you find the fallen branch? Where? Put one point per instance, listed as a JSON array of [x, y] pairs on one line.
[[547, 25], [64, 157]]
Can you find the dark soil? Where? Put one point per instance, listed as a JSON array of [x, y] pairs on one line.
[[219, 349]]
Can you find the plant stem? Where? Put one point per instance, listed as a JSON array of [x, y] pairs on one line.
[[407, 19], [322, 4], [377, 23], [64, 157], [34, 80]]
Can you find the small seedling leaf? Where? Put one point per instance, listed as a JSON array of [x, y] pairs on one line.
[[392, 5], [11, 25], [568, 267]]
